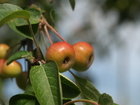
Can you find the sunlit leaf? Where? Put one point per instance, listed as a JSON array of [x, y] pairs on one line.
[[9, 12], [45, 81], [19, 55]]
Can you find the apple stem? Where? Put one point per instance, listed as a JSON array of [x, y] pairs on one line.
[[43, 21], [50, 27], [81, 100], [47, 33]]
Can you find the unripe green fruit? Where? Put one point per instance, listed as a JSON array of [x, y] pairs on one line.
[[21, 80], [84, 53], [4, 50], [63, 54], [12, 70]]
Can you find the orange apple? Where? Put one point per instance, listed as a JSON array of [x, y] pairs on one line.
[[63, 54], [84, 54], [1, 66]]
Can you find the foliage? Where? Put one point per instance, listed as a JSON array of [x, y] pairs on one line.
[[46, 86]]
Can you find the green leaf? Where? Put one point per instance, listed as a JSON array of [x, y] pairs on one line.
[[35, 16], [19, 55], [23, 30], [46, 83], [29, 90], [105, 99], [69, 88], [52, 16], [66, 83], [72, 3], [1, 102], [23, 99], [20, 25], [9, 12], [88, 91]]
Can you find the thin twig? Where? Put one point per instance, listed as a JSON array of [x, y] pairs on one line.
[[81, 100], [50, 27], [47, 33], [44, 22], [42, 34], [34, 40]]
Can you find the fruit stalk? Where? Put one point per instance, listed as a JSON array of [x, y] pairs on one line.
[[42, 34], [47, 33]]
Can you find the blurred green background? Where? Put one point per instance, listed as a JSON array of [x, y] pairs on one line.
[[111, 26]]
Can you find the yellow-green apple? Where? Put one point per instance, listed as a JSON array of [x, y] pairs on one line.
[[4, 50], [12, 70], [63, 54], [84, 54], [21, 80]]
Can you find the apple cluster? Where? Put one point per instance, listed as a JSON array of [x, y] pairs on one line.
[[8, 71], [78, 56]]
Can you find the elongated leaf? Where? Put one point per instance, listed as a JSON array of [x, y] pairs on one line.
[[66, 83], [19, 55], [69, 88], [88, 91], [16, 14], [9, 12], [46, 83], [23, 99], [72, 3], [105, 99]]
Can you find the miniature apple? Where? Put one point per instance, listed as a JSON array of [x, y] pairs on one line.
[[12, 70], [1, 66], [63, 54], [84, 54], [4, 50], [21, 80]]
